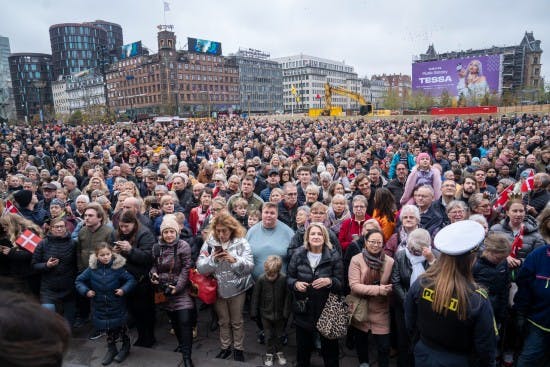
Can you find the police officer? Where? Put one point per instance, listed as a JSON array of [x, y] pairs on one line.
[[451, 319]]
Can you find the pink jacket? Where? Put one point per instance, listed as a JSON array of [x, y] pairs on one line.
[[378, 306], [410, 185]]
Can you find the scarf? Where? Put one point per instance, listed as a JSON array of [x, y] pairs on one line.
[[335, 222], [417, 265], [375, 264], [403, 235]]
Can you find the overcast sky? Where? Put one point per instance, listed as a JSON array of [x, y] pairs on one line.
[[373, 36]]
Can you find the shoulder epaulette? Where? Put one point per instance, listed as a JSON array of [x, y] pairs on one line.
[[483, 293]]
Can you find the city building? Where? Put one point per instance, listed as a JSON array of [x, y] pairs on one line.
[[81, 46], [31, 76], [375, 90], [85, 92], [521, 65], [307, 76], [7, 104], [60, 98], [183, 82], [260, 81]]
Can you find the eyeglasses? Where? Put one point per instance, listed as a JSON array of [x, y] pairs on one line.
[[456, 212], [375, 243], [291, 194], [359, 207]]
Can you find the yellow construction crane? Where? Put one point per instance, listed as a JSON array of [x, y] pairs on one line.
[[364, 106]]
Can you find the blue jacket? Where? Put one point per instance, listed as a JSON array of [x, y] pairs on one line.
[[533, 297], [396, 158], [108, 309]]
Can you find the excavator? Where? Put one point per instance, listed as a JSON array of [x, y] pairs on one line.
[[365, 107]]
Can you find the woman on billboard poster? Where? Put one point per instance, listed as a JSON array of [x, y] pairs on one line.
[[472, 82]]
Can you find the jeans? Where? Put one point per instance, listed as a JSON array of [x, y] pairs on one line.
[[69, 310], [535, 345]]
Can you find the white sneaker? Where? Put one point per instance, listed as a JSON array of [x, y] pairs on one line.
[[268, 360], [281, 358]]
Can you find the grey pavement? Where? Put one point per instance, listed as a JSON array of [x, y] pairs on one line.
[[83, 352]]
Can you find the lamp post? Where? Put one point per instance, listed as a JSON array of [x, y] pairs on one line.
[[248, 106], [128, 78]]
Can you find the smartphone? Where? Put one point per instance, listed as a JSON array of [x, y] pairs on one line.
[[218, 249], [155, 205]]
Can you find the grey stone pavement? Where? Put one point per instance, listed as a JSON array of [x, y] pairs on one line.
[[83, 352]]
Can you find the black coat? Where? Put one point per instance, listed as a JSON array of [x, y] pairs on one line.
[[57, 282], [401, 276], [297, 241], [140, 259], [288, 216], [330, 266], [495, 278]]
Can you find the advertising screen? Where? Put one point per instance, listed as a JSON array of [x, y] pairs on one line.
[[204, 46], [472, 77], [130, 50]]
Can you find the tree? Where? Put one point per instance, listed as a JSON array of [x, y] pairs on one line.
[[392, 100], [445, 99], [461, 100], [76, 117], [485, 99]]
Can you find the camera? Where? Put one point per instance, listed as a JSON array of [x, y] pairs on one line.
[[165, 288]]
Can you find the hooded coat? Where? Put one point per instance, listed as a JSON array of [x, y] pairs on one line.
[[531, 236], [108, 310]]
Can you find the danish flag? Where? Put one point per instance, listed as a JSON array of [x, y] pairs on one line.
[[529, 182], [10, 208], [502, 198], [28, 240]]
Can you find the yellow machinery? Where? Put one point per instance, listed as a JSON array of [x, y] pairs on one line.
[[329, 110]]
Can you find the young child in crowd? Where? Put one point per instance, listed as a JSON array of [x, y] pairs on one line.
[[271, 302], [253, 217], [240, 211], [106, 282], [422, 174]]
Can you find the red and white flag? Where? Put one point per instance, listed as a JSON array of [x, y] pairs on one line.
[[502, 198], [10, 208], [529, 182], [28, 240]]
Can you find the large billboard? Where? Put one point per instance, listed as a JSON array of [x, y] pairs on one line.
[[204, 46], [471, 77], [130, 50]]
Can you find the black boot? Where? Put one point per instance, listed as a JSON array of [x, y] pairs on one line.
[[110, 355], [187, 362], [125, 350]]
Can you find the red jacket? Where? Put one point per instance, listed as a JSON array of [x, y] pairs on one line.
[[350, 227]]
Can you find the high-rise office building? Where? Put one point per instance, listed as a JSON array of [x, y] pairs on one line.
[[31, 75], [7, 106], [79, 46], [260, 81]]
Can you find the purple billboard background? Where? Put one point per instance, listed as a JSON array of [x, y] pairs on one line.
[[436, 76]]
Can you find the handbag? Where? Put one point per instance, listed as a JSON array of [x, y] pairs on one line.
[[358, 307], [335, 318], [203, 287], [299, 306]]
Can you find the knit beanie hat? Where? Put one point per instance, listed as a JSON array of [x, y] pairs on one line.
[[57, 202], [169, 222], [422, 155], [23, 197]]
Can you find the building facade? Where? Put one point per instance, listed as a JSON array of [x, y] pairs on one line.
[[31, 75], [7, 104], [375, 90], [260, 81], [79, 46], [521, 65], [173, 82], [307, 75], [60, 98], [85, 92]]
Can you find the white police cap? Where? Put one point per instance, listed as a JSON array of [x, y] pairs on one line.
[[459, 238]]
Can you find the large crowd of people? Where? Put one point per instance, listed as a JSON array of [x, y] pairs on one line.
[[283, 214]]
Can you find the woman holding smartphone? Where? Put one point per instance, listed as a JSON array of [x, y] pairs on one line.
[[135, 243], [55, 259]]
